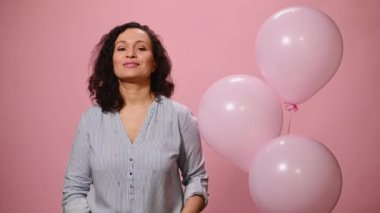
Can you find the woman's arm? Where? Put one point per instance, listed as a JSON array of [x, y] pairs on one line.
[[194, 204], [192, 165], [78, 174]]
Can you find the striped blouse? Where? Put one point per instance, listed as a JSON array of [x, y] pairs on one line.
[[108, 173]]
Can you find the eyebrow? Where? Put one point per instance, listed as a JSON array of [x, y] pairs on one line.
[[137, 42]]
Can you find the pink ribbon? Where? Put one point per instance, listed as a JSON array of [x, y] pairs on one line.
[[291, 107]]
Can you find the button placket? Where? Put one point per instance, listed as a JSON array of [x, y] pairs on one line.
[[130, 173]]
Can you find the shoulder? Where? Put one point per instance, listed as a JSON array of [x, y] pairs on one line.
[[94, 116], [181, 112], [92, 112], [178, 108]]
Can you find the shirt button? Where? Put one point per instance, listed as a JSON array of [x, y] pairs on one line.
[[130, 159], [130, 173]]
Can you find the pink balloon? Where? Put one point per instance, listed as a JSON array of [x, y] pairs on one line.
[[237, 115], [295, 174], [298, 50]]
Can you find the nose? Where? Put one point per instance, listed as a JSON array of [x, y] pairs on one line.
[[131, 53]]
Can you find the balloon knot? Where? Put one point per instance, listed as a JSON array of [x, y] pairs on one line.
[[291, 107]]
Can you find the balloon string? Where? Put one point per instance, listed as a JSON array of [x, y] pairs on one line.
[[290, 121], [291, 108]]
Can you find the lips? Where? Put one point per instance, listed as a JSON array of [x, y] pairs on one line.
[[130, 64]]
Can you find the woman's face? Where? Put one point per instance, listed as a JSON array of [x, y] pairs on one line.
[[133, 56]]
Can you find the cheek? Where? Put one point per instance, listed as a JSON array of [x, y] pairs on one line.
[[115, 65], [116, 57], [114, 60]]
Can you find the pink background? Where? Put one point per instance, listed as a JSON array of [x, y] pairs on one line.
[[45, 47]]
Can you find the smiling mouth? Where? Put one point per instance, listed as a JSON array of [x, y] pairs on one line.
[[130, 65]]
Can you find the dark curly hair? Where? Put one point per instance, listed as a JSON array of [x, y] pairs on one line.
[[103, 83]]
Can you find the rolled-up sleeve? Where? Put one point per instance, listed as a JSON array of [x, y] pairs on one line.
[[191, 161], [78, 174]]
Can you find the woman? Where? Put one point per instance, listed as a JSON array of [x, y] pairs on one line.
[[133, 145]]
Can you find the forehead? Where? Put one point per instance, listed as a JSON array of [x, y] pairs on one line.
[[133, 35]]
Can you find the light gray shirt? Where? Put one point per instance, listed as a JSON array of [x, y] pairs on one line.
[[108, 173]]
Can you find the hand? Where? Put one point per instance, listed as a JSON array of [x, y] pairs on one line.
[[194, 204]]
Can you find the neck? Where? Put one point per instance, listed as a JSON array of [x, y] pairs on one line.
[[136, 94]]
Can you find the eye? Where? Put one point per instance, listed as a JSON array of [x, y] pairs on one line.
[[141, 48], [121, 49]]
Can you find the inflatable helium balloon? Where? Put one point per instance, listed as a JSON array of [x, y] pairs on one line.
[[295, 174], [298, 50], [237, 115]]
